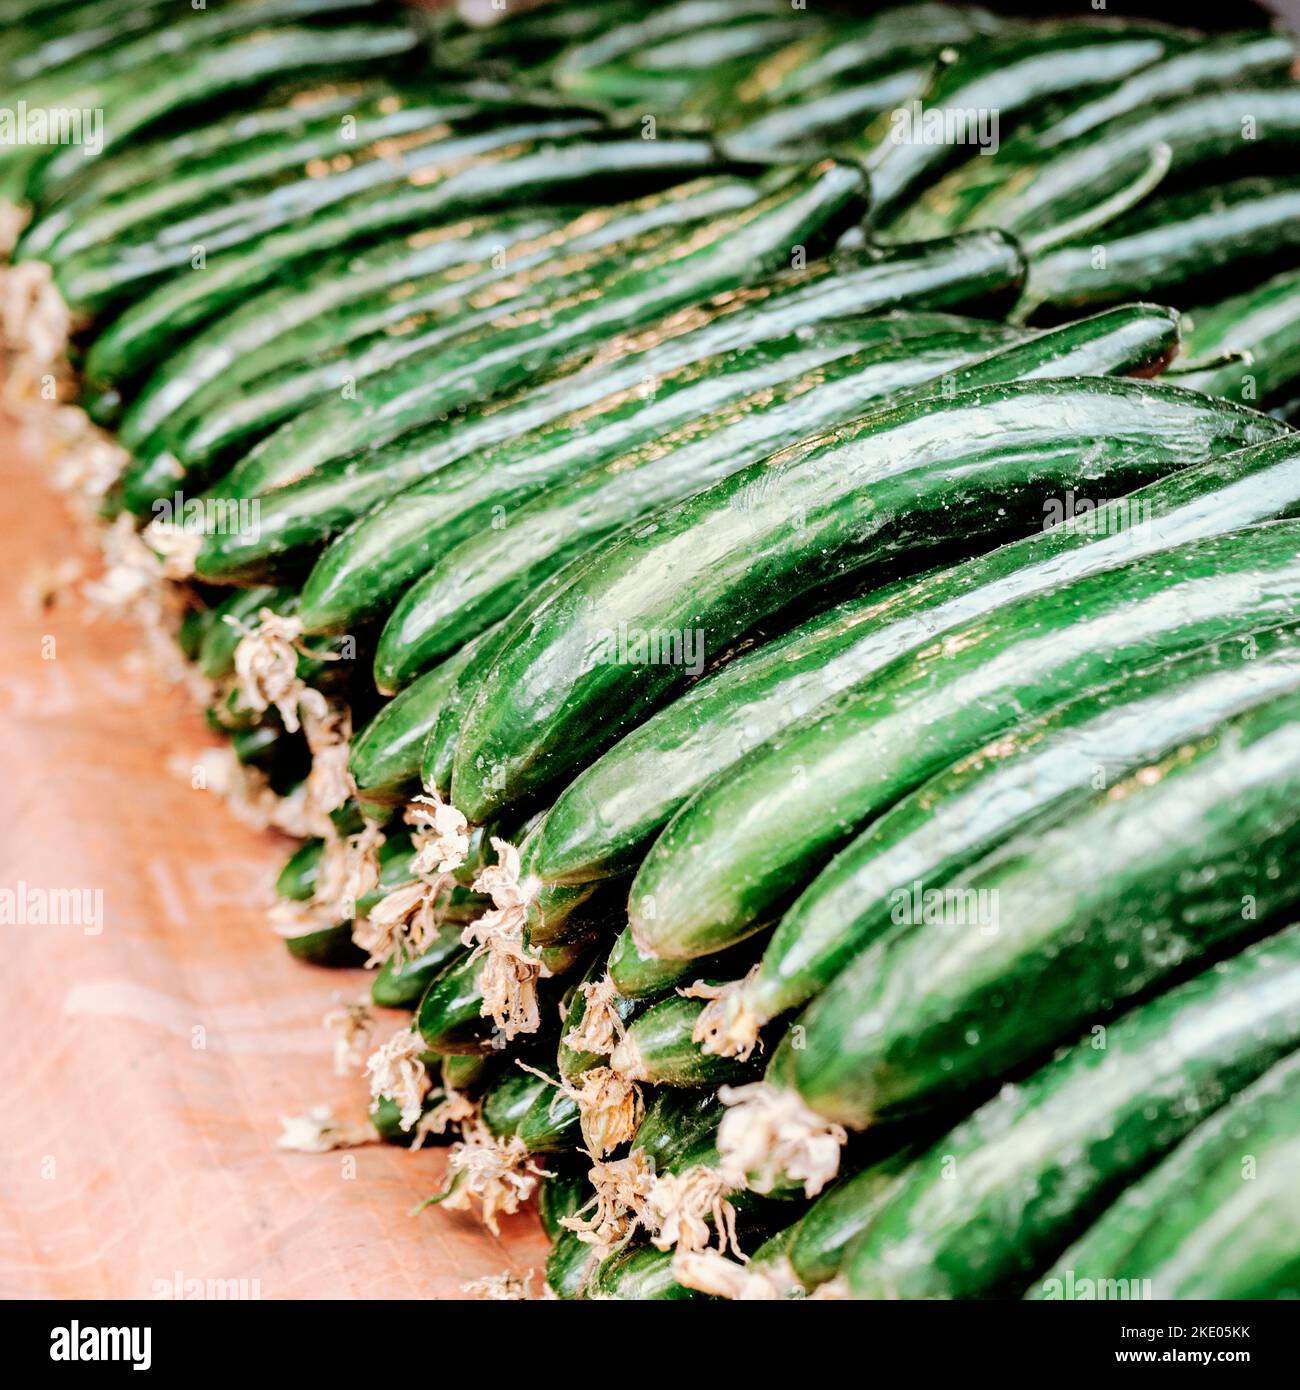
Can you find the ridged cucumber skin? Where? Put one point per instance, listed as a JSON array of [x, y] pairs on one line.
[[366, 569], [1213, 822], [216, 655], [570, 1264], [561, 1194], [1209, 236], [1201, 128], [977, 272], [385, 756], [1019, 783], [1214, 61], [264, 331], [486, 575], [1214, 1220], [1009, 73], [558, 154], [727, 558], [376, 335], [259, 179], [187, 81], [701, 888], [1262, 328], [1006, 1191], [657, 1048], [810, 208]]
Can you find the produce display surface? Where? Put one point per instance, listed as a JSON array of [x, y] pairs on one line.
[[752, 555]]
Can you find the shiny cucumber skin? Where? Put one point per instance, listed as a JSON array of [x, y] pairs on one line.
[[399, 984], [191, 80], [1022, 781], [570, 1063], [732, 250], [440, 747], [173, 208], [727, 558], [1146, 878], [1203, 129], [1006, 1191], [509, 1099], [366, 569], [640, 1273], [375, 336], [263, 331], [656, 1048], [1217, 60], [542, 161], [1203, 237], [977, 272], [708, 882], [487, 575], [384, 759], [216, 655], [1009, 74], [297, 880], [1216, 1218], [72, 36], [1261, 328]]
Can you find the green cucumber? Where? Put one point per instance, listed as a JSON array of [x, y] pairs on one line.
[[1257, 334], [509, 1099], [1207, 235], [484, 577], [1170, 865], [729, 252], [560, 1195], [638, 976], [376, 336], [879, 739], [188, 80], [367, 568], [571, 1062], [1008, 1189], [528, 160], [216, 654], [1006, 74], [640, 1273], [551, 1125], [656, 1048], [329, 946], [71, 35], [1021, 781], [400, 982], [976, 271], [1214, 1220], [297, 880], [440, 746], [264, 331], [721, 562]]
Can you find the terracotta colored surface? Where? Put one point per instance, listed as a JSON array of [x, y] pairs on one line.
[[146, 1067]]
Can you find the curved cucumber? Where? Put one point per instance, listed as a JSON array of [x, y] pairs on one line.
[[365, 570], [1215, 1219], [1173, 863], [1261, 329], [885, 488], [1007, 1190], [976, 271]]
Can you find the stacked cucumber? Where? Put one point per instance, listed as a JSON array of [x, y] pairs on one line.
[[674, 507]]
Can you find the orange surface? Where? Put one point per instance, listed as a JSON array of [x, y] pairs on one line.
[[146, 1067]]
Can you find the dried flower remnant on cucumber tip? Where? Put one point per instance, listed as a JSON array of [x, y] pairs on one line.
[[354, 1023], [498, 1174], [610, 1108], [318, 1132], [682, 1205], [34, 321], [769, 1136], [508, 980], [711, 1272], [727, 1027], [619, 1204], [397, 1072], [600, 1029]]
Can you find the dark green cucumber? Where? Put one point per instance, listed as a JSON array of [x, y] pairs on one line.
[[188, 80], [1204, 128], [440, 746], [560, 1195], [573, 1063], [216, 654], [1213, 235], [345, 351], [1006, 74], [1214, 1220], [509, 1099], [977, 272], [551, 1125], [368, 567], [640, 1273], [1169, 866], [885, 488], [385, 757], [194, 626], [729, 252], [264, 331], [541, 157], [1257, 336], [401, 981], [1007, 1190], [603, 821], [638, 976], [657, 1048], [297, 880], [71, 35], [1021, 781], [484, 577], [881, 738]]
